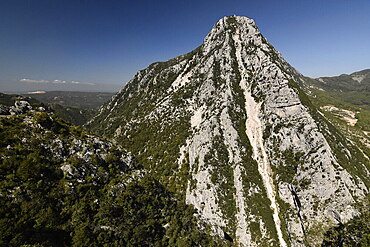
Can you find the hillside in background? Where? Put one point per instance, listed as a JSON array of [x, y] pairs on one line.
[[345, 102], [357, 81], [79, 100], [9, 100], [74, 107]]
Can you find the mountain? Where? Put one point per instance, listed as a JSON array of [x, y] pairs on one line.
[[357, 81], [62, 186], [229, 129], [8, 100], [80, 100], [76, 116], [74, 107], [353, 89]]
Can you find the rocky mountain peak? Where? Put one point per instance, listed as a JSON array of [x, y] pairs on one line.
[[229, 130], [230, 25]]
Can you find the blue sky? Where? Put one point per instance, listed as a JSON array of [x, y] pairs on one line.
[[99, 45]]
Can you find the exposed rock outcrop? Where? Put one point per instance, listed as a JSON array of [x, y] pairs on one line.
[[228, 127]]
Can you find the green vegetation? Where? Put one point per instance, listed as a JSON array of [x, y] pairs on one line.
[[79, 100], [336, 139], [76, 116], [222, 175], [73, 115], [10, 99], [97, 199], [288, 169], [344, 93], [160, 150], [355, 232]]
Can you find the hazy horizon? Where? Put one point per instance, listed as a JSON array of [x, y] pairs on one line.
[[100, 45]]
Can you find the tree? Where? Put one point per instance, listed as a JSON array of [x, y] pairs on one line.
[[356, 232]]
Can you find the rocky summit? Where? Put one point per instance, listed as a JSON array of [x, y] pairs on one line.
[[228, 129]]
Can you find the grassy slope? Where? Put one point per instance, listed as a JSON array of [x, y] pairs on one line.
[[344, 95]]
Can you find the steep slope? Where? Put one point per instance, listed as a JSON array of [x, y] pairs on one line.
[[60, 186], [228, 128], [345, 103], [353, 90]]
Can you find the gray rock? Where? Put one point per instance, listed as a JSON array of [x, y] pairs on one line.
[[249, 138]]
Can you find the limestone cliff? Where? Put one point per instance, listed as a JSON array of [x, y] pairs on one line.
[[228, 128]]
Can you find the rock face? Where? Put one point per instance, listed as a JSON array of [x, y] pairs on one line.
[[227, 127]]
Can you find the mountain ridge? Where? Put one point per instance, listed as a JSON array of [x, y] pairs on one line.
[[228, 128], [345, 103]]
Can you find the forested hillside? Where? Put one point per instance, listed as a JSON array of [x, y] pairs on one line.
[[61, 186]]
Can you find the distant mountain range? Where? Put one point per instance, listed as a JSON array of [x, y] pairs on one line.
[[74, 107], [357, 81], [80, 100]]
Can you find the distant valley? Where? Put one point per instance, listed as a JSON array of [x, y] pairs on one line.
[[80, 100], [74, 107]]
